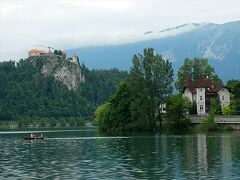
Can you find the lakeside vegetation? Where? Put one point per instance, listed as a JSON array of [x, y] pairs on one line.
[[135, 104], [121, 100], [45, 123]]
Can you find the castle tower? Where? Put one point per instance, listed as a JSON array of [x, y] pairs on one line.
[[75, 58]]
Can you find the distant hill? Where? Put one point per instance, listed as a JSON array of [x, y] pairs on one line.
[[52, 87], [220, 43]]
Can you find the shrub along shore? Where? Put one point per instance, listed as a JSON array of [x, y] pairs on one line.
[[45, 123]]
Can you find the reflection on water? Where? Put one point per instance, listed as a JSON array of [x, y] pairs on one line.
[[86, 155], [202, 154]]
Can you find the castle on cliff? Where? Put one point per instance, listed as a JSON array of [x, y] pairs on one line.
[[38, 52]]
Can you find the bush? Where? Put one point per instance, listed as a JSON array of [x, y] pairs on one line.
[[62, 123], [177, 114], [80, 122], [216, 106], [43, 122], [208, 122], [228, 110], [101, 115], [53, 122]]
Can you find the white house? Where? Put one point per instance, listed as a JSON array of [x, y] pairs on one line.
[[203, 91]]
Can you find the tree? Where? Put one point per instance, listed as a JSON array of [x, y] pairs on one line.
[[43, 122], [228, 110], [55, 52], [115, 115], [208, 122], [26, 93], [102, 117], [177, 114], [58, 52], [234, 87], [135, 104], [216, 106], [195, 68], [155, 76]]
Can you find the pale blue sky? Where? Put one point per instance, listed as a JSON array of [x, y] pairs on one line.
[[77, 23]]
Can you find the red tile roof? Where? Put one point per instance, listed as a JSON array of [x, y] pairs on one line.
[[38, 51], [189, 84], [209, 85]]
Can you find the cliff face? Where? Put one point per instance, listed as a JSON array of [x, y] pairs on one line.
[[61, 69]]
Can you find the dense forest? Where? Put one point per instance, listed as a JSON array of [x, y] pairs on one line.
[[26, 94]]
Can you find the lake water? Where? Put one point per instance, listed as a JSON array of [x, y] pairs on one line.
[[84, 154]]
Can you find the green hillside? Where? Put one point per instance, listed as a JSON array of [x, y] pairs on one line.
[[26, 93]]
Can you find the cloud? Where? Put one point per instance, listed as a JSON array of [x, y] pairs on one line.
[[77, 23]]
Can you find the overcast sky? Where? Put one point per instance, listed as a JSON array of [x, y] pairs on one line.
[[66, 24]]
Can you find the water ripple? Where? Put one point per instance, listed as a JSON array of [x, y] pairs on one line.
[[86, 155]]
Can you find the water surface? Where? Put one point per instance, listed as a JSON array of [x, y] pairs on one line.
[[84, 154]]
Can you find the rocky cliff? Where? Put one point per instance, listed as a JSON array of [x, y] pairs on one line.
[[61, 69]]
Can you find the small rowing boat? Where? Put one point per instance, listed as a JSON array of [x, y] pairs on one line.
[[33, 138]]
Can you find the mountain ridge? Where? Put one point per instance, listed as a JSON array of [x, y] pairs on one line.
[[220, 43]]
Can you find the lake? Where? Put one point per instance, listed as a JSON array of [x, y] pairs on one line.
[[85, 154]]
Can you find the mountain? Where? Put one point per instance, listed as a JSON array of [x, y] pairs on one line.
[[220, 43]]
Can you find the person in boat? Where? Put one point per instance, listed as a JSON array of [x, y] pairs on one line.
[[41, 135], [33, 135]]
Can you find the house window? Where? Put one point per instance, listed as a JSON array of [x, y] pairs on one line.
[[200, 98], [223, 98], [201, 107]]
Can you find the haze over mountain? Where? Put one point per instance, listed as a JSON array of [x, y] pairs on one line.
[[220, 43]]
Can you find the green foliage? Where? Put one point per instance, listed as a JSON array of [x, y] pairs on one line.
[[58, 52], [26, 94], [53, 122], [43, 122], [102, 117], [155, 76], [234, 87], [135, 104], [208, 122], [100, 84], [177, 114], [216, 106], [196, 68], [80, 122], [115, 115], [228, 110]]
